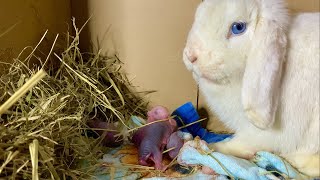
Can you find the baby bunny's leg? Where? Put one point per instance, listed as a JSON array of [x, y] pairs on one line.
[[234, 147], [305, 163]]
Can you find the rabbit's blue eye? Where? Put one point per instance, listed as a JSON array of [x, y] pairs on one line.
[[238, 27]]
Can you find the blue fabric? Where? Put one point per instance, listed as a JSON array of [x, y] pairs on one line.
[[138, 121], [264, 166], [270, 161], [187, 114], [223, 164]]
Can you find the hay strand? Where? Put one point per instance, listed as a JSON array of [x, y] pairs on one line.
[[23, 90], [10, 156], [33, 148], [187, 125], [167, 150], [9, 29]]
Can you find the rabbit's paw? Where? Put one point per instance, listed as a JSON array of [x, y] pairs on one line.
[[233, 147], [308, 164]]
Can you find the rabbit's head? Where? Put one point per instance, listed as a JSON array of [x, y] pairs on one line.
[[244, 41]]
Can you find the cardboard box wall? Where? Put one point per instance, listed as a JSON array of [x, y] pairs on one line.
[[30, 19]]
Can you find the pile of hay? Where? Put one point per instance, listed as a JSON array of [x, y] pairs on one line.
[[44, 133]]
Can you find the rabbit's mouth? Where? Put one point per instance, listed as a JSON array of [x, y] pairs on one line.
[[220, 80], [211, 73], [215, 79], [212, 76]]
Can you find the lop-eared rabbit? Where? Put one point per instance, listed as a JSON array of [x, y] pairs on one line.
[[258, 69]]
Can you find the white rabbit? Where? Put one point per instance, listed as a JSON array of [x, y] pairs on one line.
[[258, 69]]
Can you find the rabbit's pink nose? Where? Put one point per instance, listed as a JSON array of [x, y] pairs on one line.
[[191, 55]]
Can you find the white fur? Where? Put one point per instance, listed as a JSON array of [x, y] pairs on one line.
[[263, 84]]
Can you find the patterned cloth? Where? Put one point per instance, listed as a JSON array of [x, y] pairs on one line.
[[264, 166], [118, 163]]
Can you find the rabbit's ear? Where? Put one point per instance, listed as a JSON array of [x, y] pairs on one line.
[[262, 76]]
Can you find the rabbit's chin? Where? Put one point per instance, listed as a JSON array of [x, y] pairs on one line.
[[218, 80]]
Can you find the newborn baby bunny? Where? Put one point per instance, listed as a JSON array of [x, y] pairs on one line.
[[258, 69], [152, 139]]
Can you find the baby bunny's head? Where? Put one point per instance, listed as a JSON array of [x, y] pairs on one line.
[[244, 41], [158, 113]]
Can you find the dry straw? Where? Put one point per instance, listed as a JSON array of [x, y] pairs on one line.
[[43, 131]]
